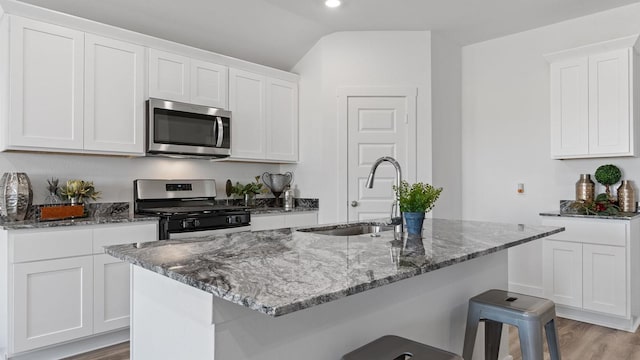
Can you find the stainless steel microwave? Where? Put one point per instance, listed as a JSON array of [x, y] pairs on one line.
[[187, 130]]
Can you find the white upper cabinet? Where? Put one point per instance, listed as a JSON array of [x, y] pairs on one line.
[[247, 105], [209, 84], [180, 78], [569, 108], [282, 120], [610, 90], [264, 123], [72, 91], [46, 86], [593, 106], [168, 76], [114, 96]]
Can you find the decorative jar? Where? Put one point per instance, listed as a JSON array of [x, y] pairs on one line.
[[16, 195], [627, 197], [585, 188]]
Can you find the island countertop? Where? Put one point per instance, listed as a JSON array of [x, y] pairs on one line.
[[277, 272]]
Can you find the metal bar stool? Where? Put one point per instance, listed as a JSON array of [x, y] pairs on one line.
[[391, 347], [528, 313]]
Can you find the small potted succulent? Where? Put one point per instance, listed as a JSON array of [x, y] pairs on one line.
[[248, 191], [79, 191], [415, 201]]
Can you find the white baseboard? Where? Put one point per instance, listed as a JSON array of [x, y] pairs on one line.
[[526, 289], [75, 347], [610, 321]]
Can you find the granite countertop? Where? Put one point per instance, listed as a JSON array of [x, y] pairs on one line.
[[96, 213], [619, 216], [92, 220], [567, 209], [276, 272]]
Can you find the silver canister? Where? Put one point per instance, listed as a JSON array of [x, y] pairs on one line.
[[16, 195], [627, 197], [289, 199], [585, 188]]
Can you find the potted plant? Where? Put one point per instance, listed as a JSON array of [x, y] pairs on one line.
[[415, 201], [608, 175], [248, 191], [79, 191]]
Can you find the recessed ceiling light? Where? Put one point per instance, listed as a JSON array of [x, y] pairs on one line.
[[332, 3]]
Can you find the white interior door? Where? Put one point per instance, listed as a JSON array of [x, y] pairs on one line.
[[379, 125]]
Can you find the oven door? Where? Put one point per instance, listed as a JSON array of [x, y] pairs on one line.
[[186, 129], [202, 233]]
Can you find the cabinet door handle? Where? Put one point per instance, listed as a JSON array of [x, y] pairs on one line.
[[354, 203]]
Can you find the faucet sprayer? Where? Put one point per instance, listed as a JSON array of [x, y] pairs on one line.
[[396, 214]]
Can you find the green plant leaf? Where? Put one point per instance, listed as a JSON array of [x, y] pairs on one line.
[[419, 197], [608, 174]]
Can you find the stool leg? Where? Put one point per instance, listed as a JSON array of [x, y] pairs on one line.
[[492, 335], [531, 340], [552, 339], [473, 317]]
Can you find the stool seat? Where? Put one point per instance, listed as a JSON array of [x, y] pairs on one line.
[[391, 347], [528, 313], [515, 306]]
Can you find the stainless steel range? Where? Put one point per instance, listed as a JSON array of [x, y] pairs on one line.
[[188, 206]]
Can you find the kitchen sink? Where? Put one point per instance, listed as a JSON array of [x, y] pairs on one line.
[[349, 230]]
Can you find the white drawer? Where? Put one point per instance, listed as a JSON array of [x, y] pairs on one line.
[[267, 222], [283, 220], [594, 231], [123, 234], [41, 244], [301, 219]]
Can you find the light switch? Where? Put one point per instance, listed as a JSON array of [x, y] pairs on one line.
[[520, 189]]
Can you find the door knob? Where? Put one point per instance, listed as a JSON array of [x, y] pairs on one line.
[[354, 203]]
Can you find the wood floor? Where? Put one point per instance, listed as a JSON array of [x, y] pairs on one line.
[[578, 341], [115, 352]]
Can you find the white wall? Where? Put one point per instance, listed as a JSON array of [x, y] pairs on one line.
[[446, 64], [114, 175], [505, 130], [373, 58]]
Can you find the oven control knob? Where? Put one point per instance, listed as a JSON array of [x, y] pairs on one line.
[[196, 222], [238, 219]]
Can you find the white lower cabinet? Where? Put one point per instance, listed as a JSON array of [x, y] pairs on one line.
[[562, 274], [61, 284], [52, 301], [604, 279], [279, 221], [591, 270], [110, 293]]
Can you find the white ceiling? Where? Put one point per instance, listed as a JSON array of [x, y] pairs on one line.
[[278, 33]]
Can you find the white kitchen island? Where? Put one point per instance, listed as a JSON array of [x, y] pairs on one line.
[[286, 294]]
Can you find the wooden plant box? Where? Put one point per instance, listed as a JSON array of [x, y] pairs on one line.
[[60, 212]]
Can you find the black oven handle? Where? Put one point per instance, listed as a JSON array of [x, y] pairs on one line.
[[220, 131]]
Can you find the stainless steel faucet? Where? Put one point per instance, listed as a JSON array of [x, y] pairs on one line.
[[396, 214]]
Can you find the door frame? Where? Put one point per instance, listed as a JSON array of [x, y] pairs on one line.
[[344, 93]]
